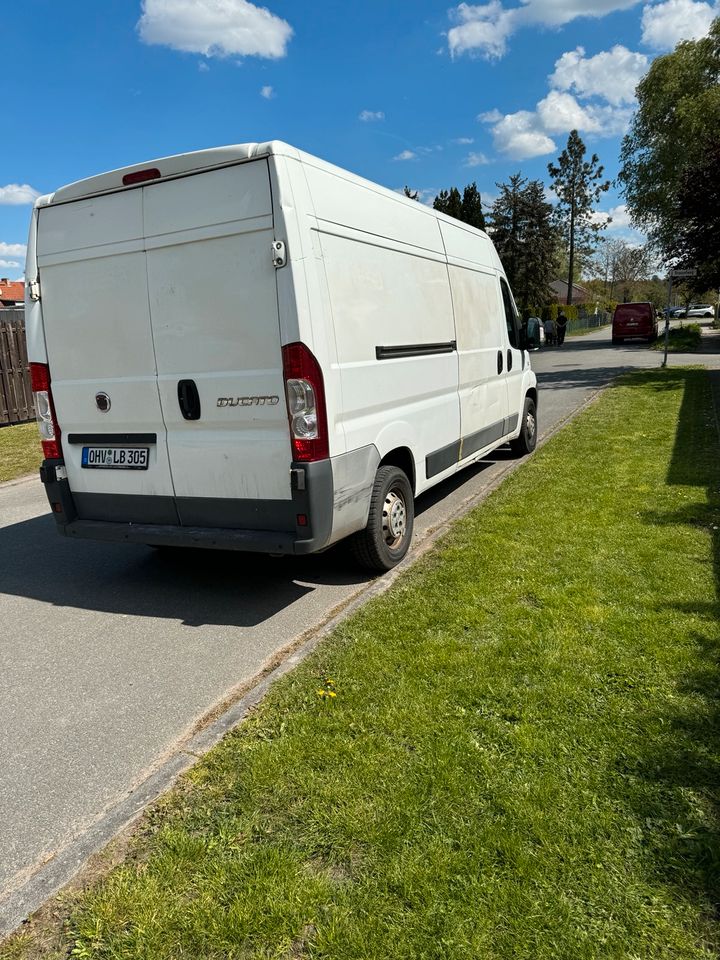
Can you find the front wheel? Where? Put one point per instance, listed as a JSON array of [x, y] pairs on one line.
[[527, 440], [386, 538]]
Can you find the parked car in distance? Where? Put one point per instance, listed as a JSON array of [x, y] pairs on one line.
[[535, 333], [700, 310], [634, 320]]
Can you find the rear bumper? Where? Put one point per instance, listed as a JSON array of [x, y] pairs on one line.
[[312, 496]]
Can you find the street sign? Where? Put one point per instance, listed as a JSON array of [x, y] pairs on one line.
[[684, 273]]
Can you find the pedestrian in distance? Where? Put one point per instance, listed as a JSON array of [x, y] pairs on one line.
[[561, 326], [550, 331]]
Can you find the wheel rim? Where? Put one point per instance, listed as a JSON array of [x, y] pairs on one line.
[[530, 425], [394, 521]]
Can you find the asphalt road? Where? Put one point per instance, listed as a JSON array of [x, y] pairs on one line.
[[111, 654]]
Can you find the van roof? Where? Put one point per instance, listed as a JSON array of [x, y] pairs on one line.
[[197, 160], [172, 166]]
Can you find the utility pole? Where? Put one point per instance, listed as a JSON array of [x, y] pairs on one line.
[[673, 275]]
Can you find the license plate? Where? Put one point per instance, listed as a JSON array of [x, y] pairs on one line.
[[116, 458]]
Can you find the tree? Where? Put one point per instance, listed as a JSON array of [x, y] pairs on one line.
[[411, 194], [525, 238], [467, 207], [678, 110], [449, 202], [696, 242], [472, 212], [577, 183], [619, 263]]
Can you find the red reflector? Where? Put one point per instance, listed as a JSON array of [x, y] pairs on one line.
[[39, 376], [140, 176], [301, 520], [51, 448], [57, 508]]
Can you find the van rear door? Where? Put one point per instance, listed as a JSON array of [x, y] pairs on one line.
[[214, 312], [91, 262]]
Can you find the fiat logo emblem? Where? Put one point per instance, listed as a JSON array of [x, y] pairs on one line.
[[103, 402]]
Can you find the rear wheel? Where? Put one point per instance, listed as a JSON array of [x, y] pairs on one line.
[[618, 340], [527, 440], [386, 538]]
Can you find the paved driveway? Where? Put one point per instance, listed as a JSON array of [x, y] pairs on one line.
[[111, 654]]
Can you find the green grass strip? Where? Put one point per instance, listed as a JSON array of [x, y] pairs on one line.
[[20, 451], [685, 339], [521, 755]]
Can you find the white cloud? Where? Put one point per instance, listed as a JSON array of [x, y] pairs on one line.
[[267, 92], [13, 250], [490, 116], [15, 194], [619, 215], [612, 74], [406, 155], [475, 160], [520, 136], [482, 29], [215, 28], [370, 116], [486, 28], [203, 67], [529, 133], [464, 141], [8, 263], [666, 24]]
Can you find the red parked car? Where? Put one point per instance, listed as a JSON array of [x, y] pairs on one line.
[[634, 320]]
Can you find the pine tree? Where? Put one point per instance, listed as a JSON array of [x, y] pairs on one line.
[[467, 207], [472, 212], [526, 238], [411, 194], [577, 184]]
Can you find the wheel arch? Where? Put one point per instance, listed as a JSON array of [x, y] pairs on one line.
[[402, 458]]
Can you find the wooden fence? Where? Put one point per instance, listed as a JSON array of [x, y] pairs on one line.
[[16, 399]]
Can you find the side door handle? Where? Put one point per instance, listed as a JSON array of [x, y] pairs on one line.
[[509, 360], [499, 361], [189, 399]]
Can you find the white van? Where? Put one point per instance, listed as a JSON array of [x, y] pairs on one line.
[[247, 348]]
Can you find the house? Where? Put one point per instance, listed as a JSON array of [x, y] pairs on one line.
[[12, 293], [558, 289]]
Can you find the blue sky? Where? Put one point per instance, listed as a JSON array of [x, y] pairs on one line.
[[423, 93]]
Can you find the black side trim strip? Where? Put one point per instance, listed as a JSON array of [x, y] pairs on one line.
[[447, 456], [112, 438], [442, 459], [510, 424], [414, 350], [476, 441]]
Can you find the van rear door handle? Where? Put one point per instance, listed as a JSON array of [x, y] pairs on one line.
[[500, 361], [509, 365], [189, 399]]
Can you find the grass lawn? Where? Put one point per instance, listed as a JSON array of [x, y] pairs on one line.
[[20, 451], [515, 753], [685, 339]]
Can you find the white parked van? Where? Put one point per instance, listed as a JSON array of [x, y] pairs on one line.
[[247, 348]]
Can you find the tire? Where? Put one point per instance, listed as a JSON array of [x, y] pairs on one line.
[[526, 442], [617, 340], [388, 534]]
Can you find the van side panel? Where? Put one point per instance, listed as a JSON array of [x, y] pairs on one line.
[[386, 299], [480, 338]]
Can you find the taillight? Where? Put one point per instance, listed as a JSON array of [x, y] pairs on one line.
[[45, 411], [141, 176], [306, 403]]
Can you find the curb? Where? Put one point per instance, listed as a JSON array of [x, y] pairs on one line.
[[37, 885]]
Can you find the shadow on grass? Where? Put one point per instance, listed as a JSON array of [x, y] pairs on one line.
[[683, 817]]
